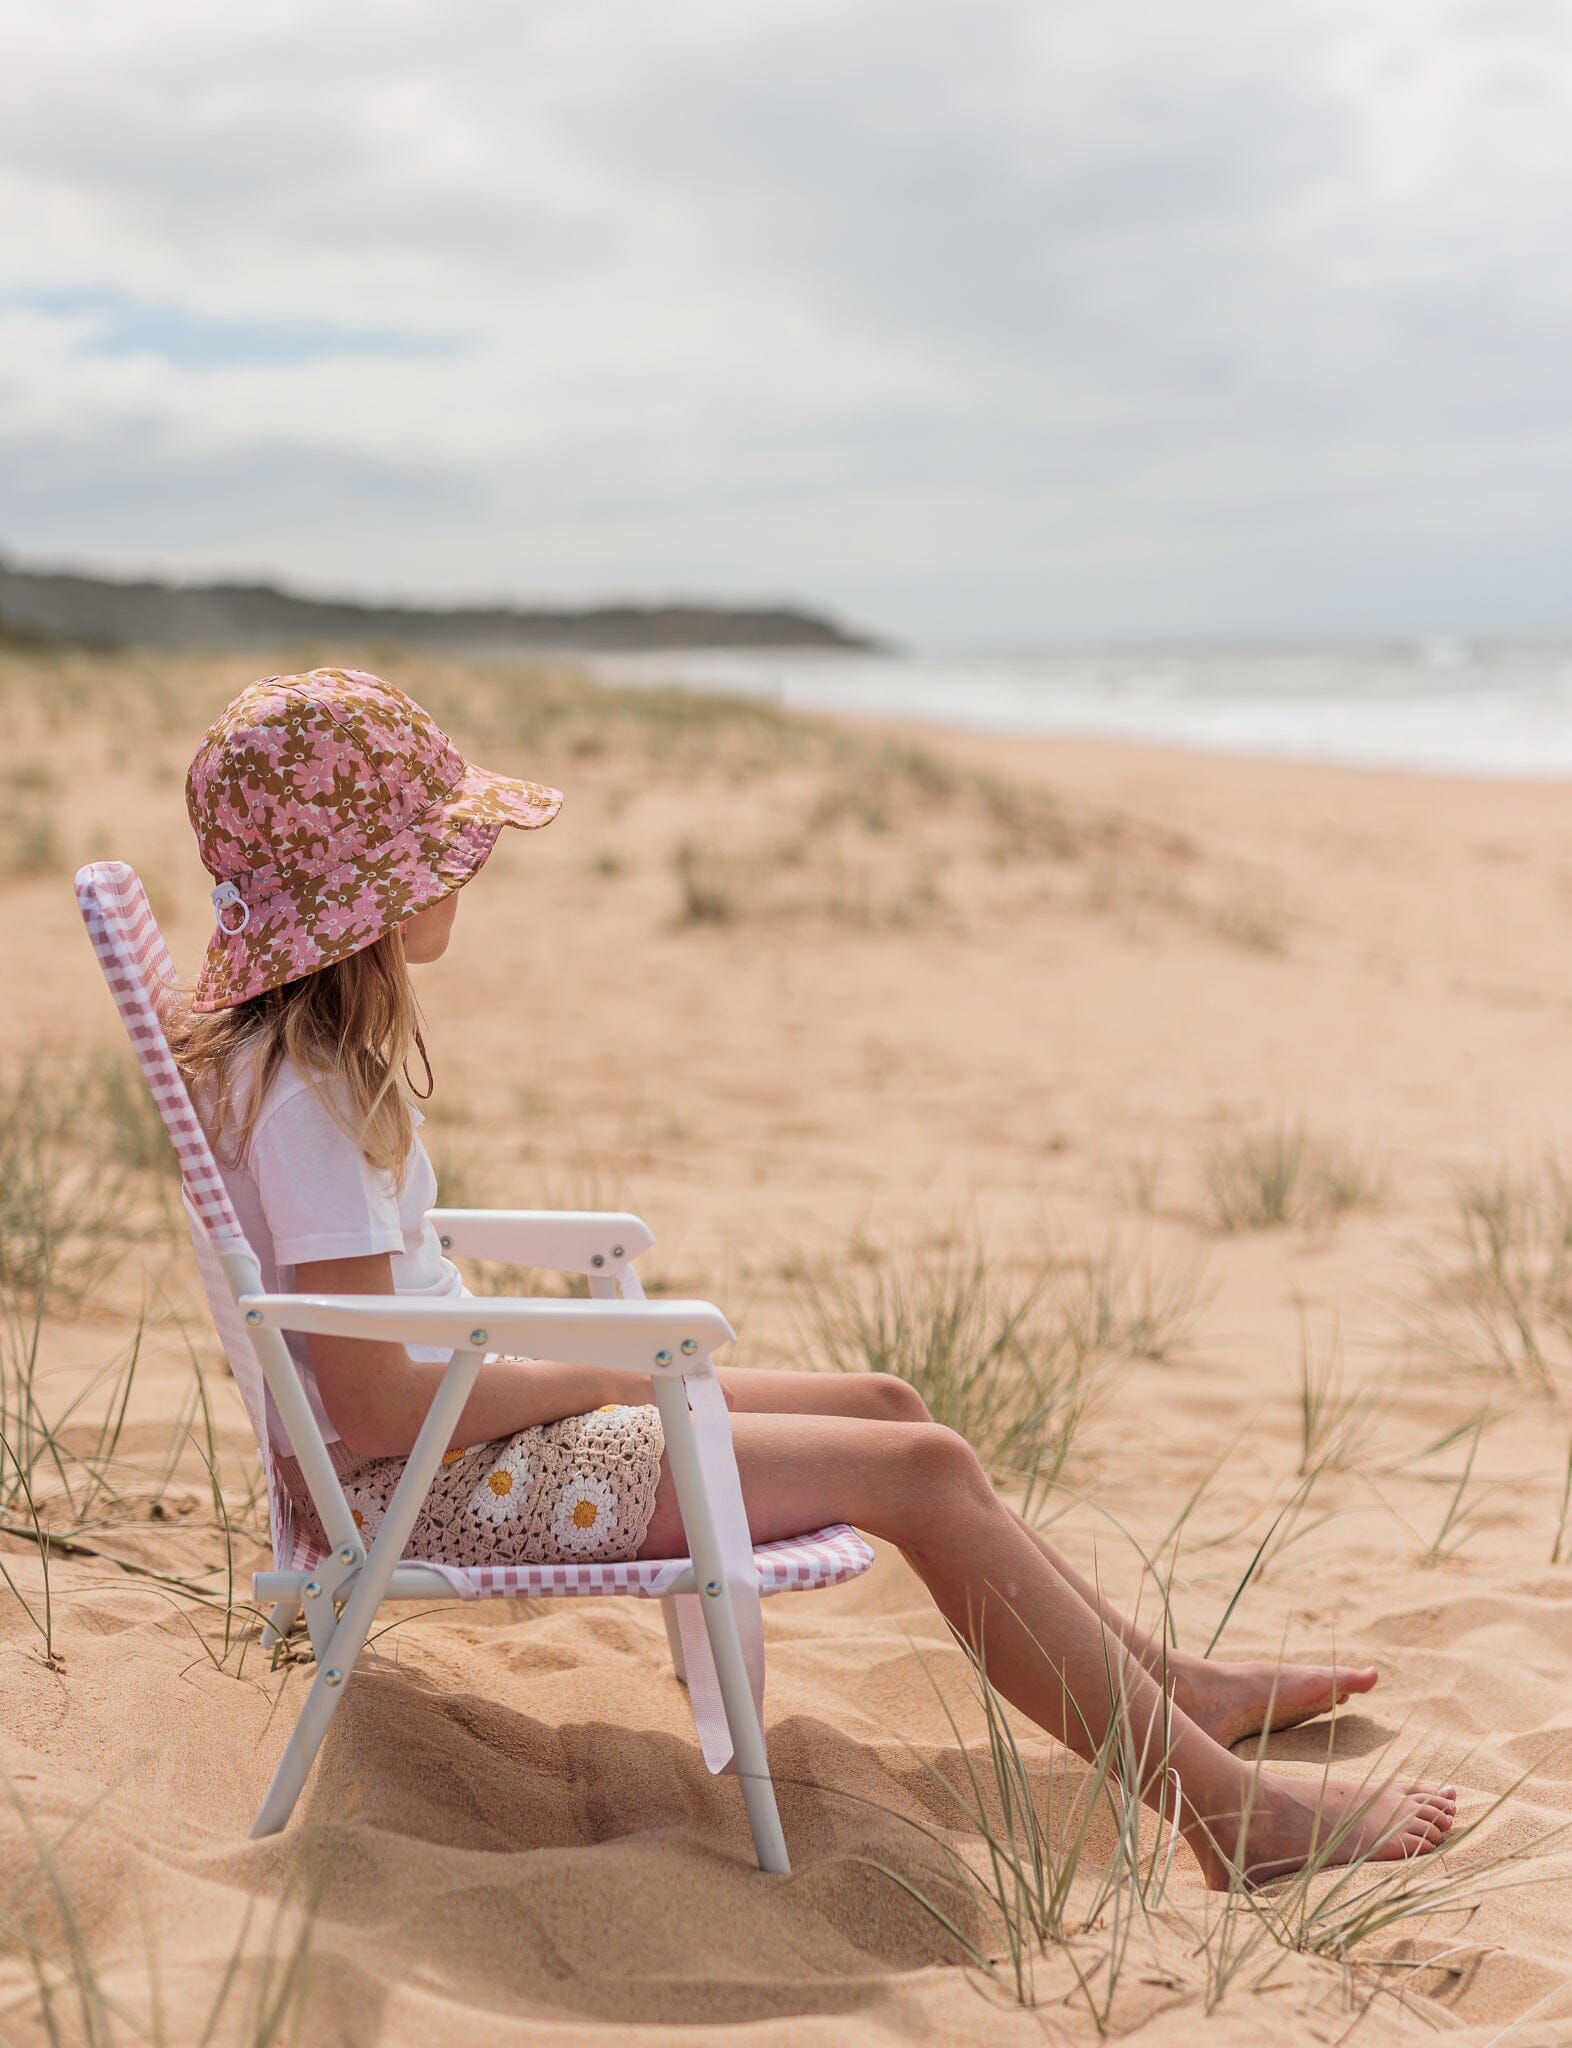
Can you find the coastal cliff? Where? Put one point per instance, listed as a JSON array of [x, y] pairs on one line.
[[43, 605]]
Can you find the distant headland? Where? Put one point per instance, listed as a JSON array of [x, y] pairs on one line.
[[39, 606]]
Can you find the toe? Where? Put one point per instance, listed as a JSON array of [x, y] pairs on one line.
[[1420, 1835], [1431, 1795], [1397, 1849]]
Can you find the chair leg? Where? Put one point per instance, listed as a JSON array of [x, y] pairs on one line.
[[300, 1752], [339, 1646], [668, 1608], [279, 1623], [337, 1637], [747, 1737]]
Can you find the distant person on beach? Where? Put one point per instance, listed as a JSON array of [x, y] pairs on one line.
[[339, 824]]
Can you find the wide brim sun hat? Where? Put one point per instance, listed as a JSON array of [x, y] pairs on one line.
[[329, 808]]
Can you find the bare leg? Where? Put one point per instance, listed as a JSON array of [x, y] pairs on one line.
[[1046, 1651], [1230, 1701]]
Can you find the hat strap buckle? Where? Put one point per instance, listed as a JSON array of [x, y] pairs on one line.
[[227, 897]]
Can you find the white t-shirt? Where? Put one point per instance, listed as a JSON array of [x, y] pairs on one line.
[[305, 1191]]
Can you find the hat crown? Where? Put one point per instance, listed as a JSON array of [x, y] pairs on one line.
[[310, 771]]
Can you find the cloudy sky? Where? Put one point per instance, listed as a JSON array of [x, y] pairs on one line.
[[991, 321]]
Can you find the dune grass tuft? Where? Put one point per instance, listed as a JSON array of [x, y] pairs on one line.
[[1461, 1517], [1014, 1366], [1501, 1300], [1256, 923], [124, 1119], [1033, 1870], [1265, 1179], [66, 1488], [67, 1201], [706, 881], [1335, 1422], [1068, 1863]]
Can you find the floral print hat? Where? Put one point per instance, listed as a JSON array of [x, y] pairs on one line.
[[329, 808]]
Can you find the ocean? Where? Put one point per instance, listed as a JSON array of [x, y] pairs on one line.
[[1441, 705]]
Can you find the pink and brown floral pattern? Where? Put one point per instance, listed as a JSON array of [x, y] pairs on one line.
[[329, 808]]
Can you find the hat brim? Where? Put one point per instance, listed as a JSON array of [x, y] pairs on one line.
[[301, 921]]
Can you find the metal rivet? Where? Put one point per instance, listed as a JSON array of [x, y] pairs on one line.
[[332, 1678], [689, 1346], [663, 1358], [477, 1336], [350, 1555], [253, 1315], [312, 1589], [446, 1243], [598, 1259], [712, 1587], [616, 1251]]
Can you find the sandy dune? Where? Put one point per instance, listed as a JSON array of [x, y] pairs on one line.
[[917, 1003]]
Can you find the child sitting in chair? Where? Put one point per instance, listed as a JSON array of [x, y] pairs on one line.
[[339, 825]]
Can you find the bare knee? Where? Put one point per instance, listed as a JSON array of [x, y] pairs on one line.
[[940, 1462], [886, 1397], [930, 1490]]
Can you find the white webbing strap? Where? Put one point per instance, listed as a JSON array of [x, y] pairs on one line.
[[711, 1424]]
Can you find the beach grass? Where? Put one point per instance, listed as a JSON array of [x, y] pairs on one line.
[[1336, 1422], [1279, 1174], [1028, 1843], [1065, 1865], [76, 1996], [68, 1204], [1499, 1298], [1015, 1365]]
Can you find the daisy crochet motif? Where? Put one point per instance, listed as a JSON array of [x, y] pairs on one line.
[[366, 1513], [501, 1495], [601, 1419], [585, 1515]]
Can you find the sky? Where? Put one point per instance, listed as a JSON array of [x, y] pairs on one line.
[[993, 323]]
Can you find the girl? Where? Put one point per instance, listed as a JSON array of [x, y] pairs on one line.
[[339, 824]]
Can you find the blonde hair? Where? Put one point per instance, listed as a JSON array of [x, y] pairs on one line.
[[349, 1028]]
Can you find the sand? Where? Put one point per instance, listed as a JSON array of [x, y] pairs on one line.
[[935, 1024]]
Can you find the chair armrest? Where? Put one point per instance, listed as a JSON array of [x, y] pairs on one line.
[[646, 1337], [587, 1241]]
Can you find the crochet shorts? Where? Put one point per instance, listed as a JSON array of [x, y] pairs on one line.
[[579, 1491]]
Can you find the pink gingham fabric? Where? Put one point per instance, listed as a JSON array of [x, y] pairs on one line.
[[799, 1564], [142, 979]]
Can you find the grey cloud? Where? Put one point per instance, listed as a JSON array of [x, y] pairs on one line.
[[978, 318]]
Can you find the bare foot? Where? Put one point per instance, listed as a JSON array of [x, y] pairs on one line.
[[1293, 1821], [1231, 1701]]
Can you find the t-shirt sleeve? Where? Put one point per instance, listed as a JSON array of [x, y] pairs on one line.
[[321, 1197]]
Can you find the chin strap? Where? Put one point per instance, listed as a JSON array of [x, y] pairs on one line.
[[420, 1047]]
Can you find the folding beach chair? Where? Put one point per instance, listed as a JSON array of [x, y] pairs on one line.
[[711, 1600]]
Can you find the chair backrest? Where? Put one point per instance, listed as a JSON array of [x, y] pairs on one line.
[[142, 980]]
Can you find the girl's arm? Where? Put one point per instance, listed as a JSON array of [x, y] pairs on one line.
[[377, 1395]]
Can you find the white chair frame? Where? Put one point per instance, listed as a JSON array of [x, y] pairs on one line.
[[664, 1343]]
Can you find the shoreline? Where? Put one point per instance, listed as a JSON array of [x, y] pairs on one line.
[[1409, 721]]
